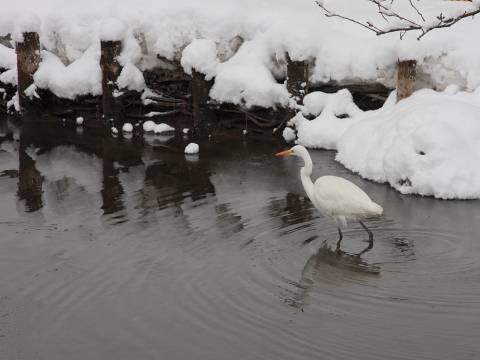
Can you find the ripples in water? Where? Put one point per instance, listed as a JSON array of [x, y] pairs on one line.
[[140, 252]]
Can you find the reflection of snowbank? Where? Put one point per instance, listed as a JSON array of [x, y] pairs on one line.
[[428, 144], [8, 155], [66, 162]]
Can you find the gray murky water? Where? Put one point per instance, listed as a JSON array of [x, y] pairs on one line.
[[128, 249]]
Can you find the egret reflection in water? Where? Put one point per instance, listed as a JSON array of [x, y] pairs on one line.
[[330, 268]]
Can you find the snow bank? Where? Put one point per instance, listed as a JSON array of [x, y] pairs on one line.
[[243, 44], [427, 144]]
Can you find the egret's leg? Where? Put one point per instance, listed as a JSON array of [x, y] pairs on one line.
[[340, 239], [339, 232], [370, 235]]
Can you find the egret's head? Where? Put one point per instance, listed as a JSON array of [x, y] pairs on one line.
[[297, 150]]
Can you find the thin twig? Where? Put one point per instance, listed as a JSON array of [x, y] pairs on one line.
[[256, 117], [281, 124], [443, 22], [418, 12], [255, 121]]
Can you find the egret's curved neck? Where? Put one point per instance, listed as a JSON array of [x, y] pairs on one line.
[[305, 173]]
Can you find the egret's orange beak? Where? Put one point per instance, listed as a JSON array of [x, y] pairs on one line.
[[284, 152]]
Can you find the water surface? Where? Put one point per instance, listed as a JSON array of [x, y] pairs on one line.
[[126, 248]]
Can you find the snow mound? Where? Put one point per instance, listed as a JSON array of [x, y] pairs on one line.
[[427, 144], [192, 148], [150, 126], [127, 127]]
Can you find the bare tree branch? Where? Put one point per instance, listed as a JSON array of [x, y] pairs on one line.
[[386, 12], [418, 12]]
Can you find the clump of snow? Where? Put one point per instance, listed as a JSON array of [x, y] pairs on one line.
[[114, 130], [79, 120], [153, 113], [451, 89], [131, 78], [31, 92], [27, 22], [161, 128], [245, 78], [10, 76], [338, 112], [127, 127], [201, 55], [186, 130], [14, 102], [81, 77], [112, 29], [289, 134], [192, 148], [158, 129], [148, 125], [117, 93], [8, 58]]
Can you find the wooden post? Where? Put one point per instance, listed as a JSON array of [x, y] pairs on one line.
[[28, 60], [406, 76], [112, 100], [204, 118], [297, 83]]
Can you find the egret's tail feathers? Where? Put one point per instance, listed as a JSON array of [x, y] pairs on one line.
[[377, 209]]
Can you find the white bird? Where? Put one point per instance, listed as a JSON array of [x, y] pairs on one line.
[[334, 196]]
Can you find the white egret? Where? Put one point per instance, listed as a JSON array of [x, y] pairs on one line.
[[334, 196]]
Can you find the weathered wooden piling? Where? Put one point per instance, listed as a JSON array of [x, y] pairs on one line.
[[204, 117], [297, 83], [28, 60], [406, 77], [113, 108]]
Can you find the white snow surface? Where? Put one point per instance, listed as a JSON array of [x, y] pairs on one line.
[[242, 44], [206, 34]]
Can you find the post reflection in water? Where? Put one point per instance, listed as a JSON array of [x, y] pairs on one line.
[[30, 180], [141, 251], [177, 181]]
